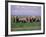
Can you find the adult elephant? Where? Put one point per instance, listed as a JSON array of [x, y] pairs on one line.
[[38, 20], [23, 19], [33, 18]]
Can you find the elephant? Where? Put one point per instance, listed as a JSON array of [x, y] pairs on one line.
[[22, 20]]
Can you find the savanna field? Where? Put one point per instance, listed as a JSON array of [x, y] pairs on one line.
[[25, 26]]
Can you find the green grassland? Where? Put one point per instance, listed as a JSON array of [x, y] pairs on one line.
[[19, 26]]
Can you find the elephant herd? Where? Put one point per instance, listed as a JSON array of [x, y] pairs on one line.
[[28, 19]]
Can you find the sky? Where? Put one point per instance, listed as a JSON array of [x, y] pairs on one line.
[[19, 10]]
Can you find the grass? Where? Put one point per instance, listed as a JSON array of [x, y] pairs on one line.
[[25, 26]]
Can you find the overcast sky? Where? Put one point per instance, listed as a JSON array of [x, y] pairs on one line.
[[20, 10]]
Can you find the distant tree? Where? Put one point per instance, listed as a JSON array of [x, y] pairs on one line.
[[17, 19], [14, 20]]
